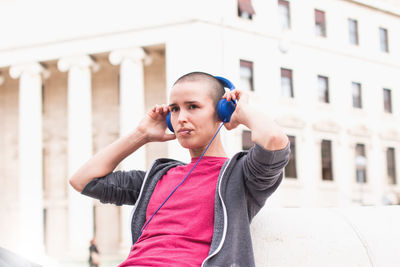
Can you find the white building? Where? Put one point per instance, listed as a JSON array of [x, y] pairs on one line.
[[75, 75]]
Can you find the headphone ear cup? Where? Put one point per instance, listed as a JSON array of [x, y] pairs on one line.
[[225, 109], [169, 124]]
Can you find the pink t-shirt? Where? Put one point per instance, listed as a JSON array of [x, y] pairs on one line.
[[181, 231]]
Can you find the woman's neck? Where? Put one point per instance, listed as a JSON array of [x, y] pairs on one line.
[[215, 150]]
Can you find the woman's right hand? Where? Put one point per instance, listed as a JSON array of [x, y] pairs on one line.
[[151, 129], [154, 124]]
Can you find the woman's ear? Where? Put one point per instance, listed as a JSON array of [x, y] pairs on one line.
[[216, 117]]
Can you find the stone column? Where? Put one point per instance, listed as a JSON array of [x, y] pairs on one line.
[[80, 208], [30, 158], [132, 110]]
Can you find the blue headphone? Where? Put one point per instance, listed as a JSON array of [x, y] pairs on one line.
[[225, 108]]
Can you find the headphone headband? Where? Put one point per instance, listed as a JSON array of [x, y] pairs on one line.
[[225, 82]]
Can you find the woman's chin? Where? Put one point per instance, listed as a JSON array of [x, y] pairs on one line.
[[188, 144]]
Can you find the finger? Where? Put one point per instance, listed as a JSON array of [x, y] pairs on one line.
[[238, 94], [228, 96], [231, 125], [228, 125], [158, 109], [168, 137], [161, 109], [165, 109]]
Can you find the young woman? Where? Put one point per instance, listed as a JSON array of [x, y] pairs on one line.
[[195, 214]]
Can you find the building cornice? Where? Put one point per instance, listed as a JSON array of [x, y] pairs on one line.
[[382, 6], [291, 121], [390, 135], [327, 126], [360, 130]]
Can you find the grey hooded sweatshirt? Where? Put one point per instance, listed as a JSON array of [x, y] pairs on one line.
[[244, 184]]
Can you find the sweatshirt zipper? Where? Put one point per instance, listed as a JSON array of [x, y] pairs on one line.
[[225, 218], [140, 194]]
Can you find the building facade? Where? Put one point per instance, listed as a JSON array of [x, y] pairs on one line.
[[76, 75]]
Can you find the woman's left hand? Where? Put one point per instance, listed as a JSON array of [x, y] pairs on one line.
[[242, 103]]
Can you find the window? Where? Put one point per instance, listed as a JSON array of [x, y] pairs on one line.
[[246, 75], [290, 169], [286, 83], [246, 140], [361, 164], [383, 38], [387, 100], [356, 95], [326, 157], [284, 14], [320, 24], [323, 89], [45, 228], [245, 9], [391, 165], [353, 31]]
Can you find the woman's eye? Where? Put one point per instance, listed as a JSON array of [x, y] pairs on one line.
[[173, 109], [192, 106]]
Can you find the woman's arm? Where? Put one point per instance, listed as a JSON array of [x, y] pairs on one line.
[[150, 129], [264, 163]]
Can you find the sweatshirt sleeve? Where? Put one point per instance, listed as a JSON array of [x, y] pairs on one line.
[[119, 188], [263, 171]]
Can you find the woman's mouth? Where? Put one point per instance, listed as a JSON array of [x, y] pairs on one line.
[[184, 132]]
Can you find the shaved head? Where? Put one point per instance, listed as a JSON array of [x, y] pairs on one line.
[[213, 86]]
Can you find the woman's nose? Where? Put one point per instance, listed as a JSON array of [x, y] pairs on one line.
[[182, 117]]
